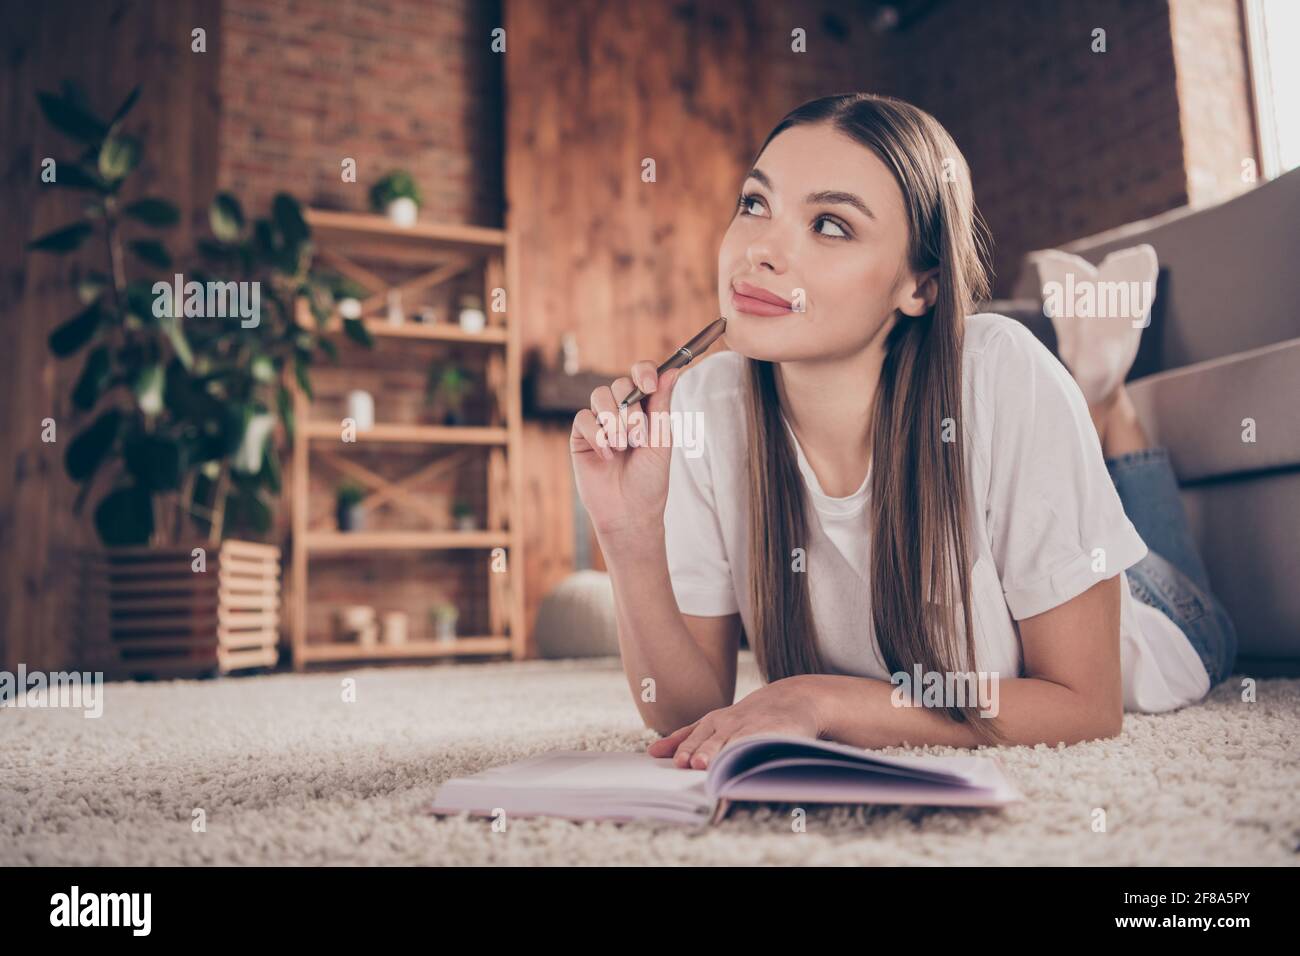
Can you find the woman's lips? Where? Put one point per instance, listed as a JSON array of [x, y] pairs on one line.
[[754, 306], [769, 304]]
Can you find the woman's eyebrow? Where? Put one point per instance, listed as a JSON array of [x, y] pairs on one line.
[[824, 196]]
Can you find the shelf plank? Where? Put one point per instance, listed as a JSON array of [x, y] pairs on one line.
[[426, 648], [345, 541], [496, 335], [340, 228], [435, 332], [415, 434]]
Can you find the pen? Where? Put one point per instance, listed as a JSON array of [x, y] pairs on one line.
[[683, 356]]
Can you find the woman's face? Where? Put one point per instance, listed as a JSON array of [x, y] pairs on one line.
[[821, 227]]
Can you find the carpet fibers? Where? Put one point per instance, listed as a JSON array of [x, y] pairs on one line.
[[286, 772]]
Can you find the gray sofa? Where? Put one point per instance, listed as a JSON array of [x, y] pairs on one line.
[[1224, 346]]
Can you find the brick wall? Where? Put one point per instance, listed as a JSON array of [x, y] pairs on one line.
[[1214, 97], [389, 83], [1062, 142]]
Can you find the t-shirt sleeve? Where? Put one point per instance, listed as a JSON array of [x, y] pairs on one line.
[[697, 556], [1056, 524]]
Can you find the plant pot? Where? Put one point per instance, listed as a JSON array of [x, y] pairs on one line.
[[164, 612], [444, 626], [395, 628], [361, 409], [403, 212], [351, 517], [466, 523]]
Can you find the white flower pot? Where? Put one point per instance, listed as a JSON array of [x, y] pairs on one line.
[[403, 212], [361, 409], [472, 320]]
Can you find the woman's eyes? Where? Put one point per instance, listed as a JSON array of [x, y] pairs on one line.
[[748, 198]]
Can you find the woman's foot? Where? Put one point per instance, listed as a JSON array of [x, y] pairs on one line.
[[1118, 427], [1097, 327]]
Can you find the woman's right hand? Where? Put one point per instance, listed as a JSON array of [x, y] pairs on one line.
[[621, 464]]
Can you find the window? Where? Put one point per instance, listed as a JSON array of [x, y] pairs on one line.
[[1273, 39]]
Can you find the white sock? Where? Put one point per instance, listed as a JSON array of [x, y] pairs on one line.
[[1098, 312]]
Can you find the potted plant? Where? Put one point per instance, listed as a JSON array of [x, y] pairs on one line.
[[463, 514], [444, 616], [347, 294], [472, 317], [397, 196], [446, 388], [185, 382], [350, 511]]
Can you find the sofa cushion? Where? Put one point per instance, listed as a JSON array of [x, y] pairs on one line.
[[1227, 416], [1233, 279], [1242, 496]]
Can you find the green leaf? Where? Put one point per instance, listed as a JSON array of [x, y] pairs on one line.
[[148, 387], [216, 250], [89, 448], [304, 379], [140, 300], [152, 251], [91, 286], [262, 368], [264, 246], [356, 330], [154, 461], [125, 517], [180, 344], [72, 176], [94, 376], [285, 401], [257, 433], [117, 157], [328, 347], [126, 106], [62, 240], [246, 509], [270, 473], [153, 212], [226, 217], [288, 219], [77, 331], [70, 119]]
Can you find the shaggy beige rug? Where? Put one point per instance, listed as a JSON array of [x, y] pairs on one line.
[[285, 772]]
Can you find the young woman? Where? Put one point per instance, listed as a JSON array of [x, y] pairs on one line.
[[864, 425]]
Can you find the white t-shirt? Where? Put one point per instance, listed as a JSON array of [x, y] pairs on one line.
[[1041, 503]]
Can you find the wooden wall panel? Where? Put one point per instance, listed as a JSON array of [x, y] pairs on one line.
[[630, 267], [108, 48]]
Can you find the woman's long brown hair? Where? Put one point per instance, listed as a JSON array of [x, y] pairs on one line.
[[918, 506]]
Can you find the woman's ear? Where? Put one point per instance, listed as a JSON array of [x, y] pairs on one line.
[[918, 293]]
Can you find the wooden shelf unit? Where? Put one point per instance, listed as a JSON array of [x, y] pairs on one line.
[[353, 245]]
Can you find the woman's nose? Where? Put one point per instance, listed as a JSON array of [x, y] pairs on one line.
[[766, 253]]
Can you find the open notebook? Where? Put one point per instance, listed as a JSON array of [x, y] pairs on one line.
[[595, 785]]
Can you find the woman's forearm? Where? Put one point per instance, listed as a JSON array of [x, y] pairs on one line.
[[653, 639], [861, 711]]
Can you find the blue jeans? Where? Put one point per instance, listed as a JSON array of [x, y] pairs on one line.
[[1171, 577]]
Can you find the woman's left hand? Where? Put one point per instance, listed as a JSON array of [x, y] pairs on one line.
[[782, 707]]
